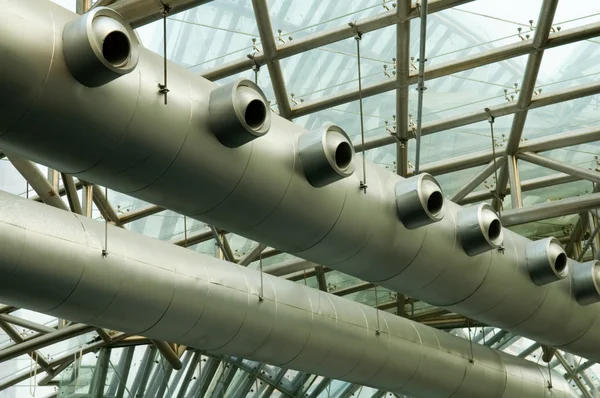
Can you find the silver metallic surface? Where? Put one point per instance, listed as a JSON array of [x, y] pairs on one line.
[[239, 113], [586, 282], [99, 47], [419, 201], [123, 136], [480, 229], [326, 155], [165, 292], [546, 261]]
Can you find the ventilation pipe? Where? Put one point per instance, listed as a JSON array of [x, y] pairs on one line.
[[52, 262], [121, 135]]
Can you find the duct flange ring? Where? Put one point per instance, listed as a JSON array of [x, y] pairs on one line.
[[480, 229], [99, 47], [327, 155], [546, 261], [239, 113], [419, 201], [586, 282]]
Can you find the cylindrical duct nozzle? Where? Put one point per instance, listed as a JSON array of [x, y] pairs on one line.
[[419, 201], [480, 229], [546, 261], [586, 282], [239, 113], [326, 155], [99, 47]]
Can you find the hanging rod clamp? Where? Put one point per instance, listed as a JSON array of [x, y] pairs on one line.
[[354, 26], [491, 117]]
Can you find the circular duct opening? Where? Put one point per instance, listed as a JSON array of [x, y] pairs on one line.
[[560, 263], [435, 202], [343, 155], [256, 113], [116, 48], [494, 229]]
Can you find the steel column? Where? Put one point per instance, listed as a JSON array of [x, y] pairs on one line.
[[71, 193], [100, 373], [189, 374], [403, 9], [105, 208]]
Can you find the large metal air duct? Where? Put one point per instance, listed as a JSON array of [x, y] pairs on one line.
[[52, 262], [296, 194]]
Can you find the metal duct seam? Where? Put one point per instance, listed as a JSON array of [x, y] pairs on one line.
[[216, 306], [258, 189]]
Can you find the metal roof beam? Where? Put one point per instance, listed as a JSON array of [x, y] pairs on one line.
[[560, 166], [261, 12], [477, 179], [527, 185], [543, 211], [546, 143], [38, 182]]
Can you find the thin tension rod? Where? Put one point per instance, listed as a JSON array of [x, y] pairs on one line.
[[162, 88], [358, 37]]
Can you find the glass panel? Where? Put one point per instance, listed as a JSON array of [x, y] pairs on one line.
[[488, 24], [568, 17], [297, 19]]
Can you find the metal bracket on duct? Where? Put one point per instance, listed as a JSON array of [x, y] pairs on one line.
[[122, 136], [165, 292]]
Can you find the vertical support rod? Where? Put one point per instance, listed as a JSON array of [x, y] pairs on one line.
[[421, 80], [363, 183]]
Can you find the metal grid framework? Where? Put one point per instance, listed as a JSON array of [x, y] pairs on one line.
[[109, 363]]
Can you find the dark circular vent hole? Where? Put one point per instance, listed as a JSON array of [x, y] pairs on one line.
[[494, 229], [435, 202], [560, 264], [343, 155], [116, 48], [255, 114]]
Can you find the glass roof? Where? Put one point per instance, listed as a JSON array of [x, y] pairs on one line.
[[219, 32]]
